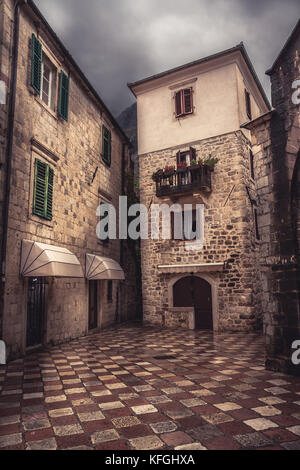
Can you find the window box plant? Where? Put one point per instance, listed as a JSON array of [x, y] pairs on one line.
[[181, 167], [169, 171], [156, 176]]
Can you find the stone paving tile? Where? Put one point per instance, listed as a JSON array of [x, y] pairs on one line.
[[108, 392]]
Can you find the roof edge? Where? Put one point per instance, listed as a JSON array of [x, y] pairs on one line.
[[293, 34], [240, 47], [74, 64], [262, 118]]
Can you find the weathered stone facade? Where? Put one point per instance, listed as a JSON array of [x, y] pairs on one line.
[[276, 144], [82, 181], [227, 263], [229, 239]]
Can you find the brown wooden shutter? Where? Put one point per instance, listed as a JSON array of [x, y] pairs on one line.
[[248, 104], [178, 107], [178, 157], [193, 154]]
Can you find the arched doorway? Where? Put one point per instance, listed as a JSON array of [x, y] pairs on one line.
[[193, 291]]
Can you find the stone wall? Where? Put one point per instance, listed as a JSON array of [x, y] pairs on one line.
[[276, 143], [229, 237], [73, 149]]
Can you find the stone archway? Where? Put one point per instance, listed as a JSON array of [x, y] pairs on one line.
[[213, 283]]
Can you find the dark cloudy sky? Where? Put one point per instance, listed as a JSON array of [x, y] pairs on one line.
[[120, 41]]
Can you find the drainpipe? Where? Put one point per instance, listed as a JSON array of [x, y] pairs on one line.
[[9, 146]]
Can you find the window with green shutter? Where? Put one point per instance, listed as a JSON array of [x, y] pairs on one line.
[[63, 105], [43, 190], [106, 146], [36, 64]]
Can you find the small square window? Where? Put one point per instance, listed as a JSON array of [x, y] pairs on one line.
[[184, 102]]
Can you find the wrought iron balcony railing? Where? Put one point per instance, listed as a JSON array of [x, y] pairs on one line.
[[183, 180]]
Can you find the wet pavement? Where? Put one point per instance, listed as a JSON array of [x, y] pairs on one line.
[[134, 388]]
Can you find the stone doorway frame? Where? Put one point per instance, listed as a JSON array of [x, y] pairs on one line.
[[214, 290]]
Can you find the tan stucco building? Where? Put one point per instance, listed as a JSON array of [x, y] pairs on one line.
[[62, 154], [189, 118]]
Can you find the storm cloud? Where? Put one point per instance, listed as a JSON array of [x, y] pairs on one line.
[[120, 41]]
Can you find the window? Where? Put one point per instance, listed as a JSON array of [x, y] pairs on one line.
[[186, 157], [257, 234], [109, 291], [43, 190], [252, 165], [189, 233], [248, 104], [44, 81], [106, 146], [48, 84], [184, 102]]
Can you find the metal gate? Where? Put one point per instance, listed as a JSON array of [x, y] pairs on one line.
[[35, 311]]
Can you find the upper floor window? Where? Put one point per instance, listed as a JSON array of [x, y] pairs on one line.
[[106, 146], [184, 102], [248, 104], [48, 85], [44, 80]]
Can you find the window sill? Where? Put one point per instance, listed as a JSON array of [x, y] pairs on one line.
[[45, 107], [38, 220]]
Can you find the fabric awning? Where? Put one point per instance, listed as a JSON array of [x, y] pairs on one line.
[[190, 268], [99, 268], [40, 260]]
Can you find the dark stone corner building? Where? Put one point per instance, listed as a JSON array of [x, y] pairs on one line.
[[276, 148]]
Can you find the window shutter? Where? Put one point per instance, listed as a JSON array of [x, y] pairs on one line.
[[193, 154], [188, 100], [178, 108], [40, 179], [49, 198], [178, 157], [63, 106], [36, 64], [252, 165], [43, 190], [106, 147], [248, 104]]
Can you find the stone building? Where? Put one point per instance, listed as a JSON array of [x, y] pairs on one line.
[[276, 148], [189, 118], [62, 155]]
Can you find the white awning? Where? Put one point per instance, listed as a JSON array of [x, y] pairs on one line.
[[190, 268], [99, 268], [40, 260]]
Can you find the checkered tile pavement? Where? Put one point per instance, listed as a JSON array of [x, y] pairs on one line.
[[108, 392]]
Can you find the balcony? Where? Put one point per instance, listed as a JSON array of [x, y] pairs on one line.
[[183, 180]]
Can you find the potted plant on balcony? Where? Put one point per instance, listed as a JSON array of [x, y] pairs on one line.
[[169, 171], [181, 167], [157, 175], [194, 165], [210, 163]]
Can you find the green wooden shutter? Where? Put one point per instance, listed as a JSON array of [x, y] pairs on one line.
[[106, 147], [36, 64], [43, 190], [40, 182], [49, 199], [63, 106]]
